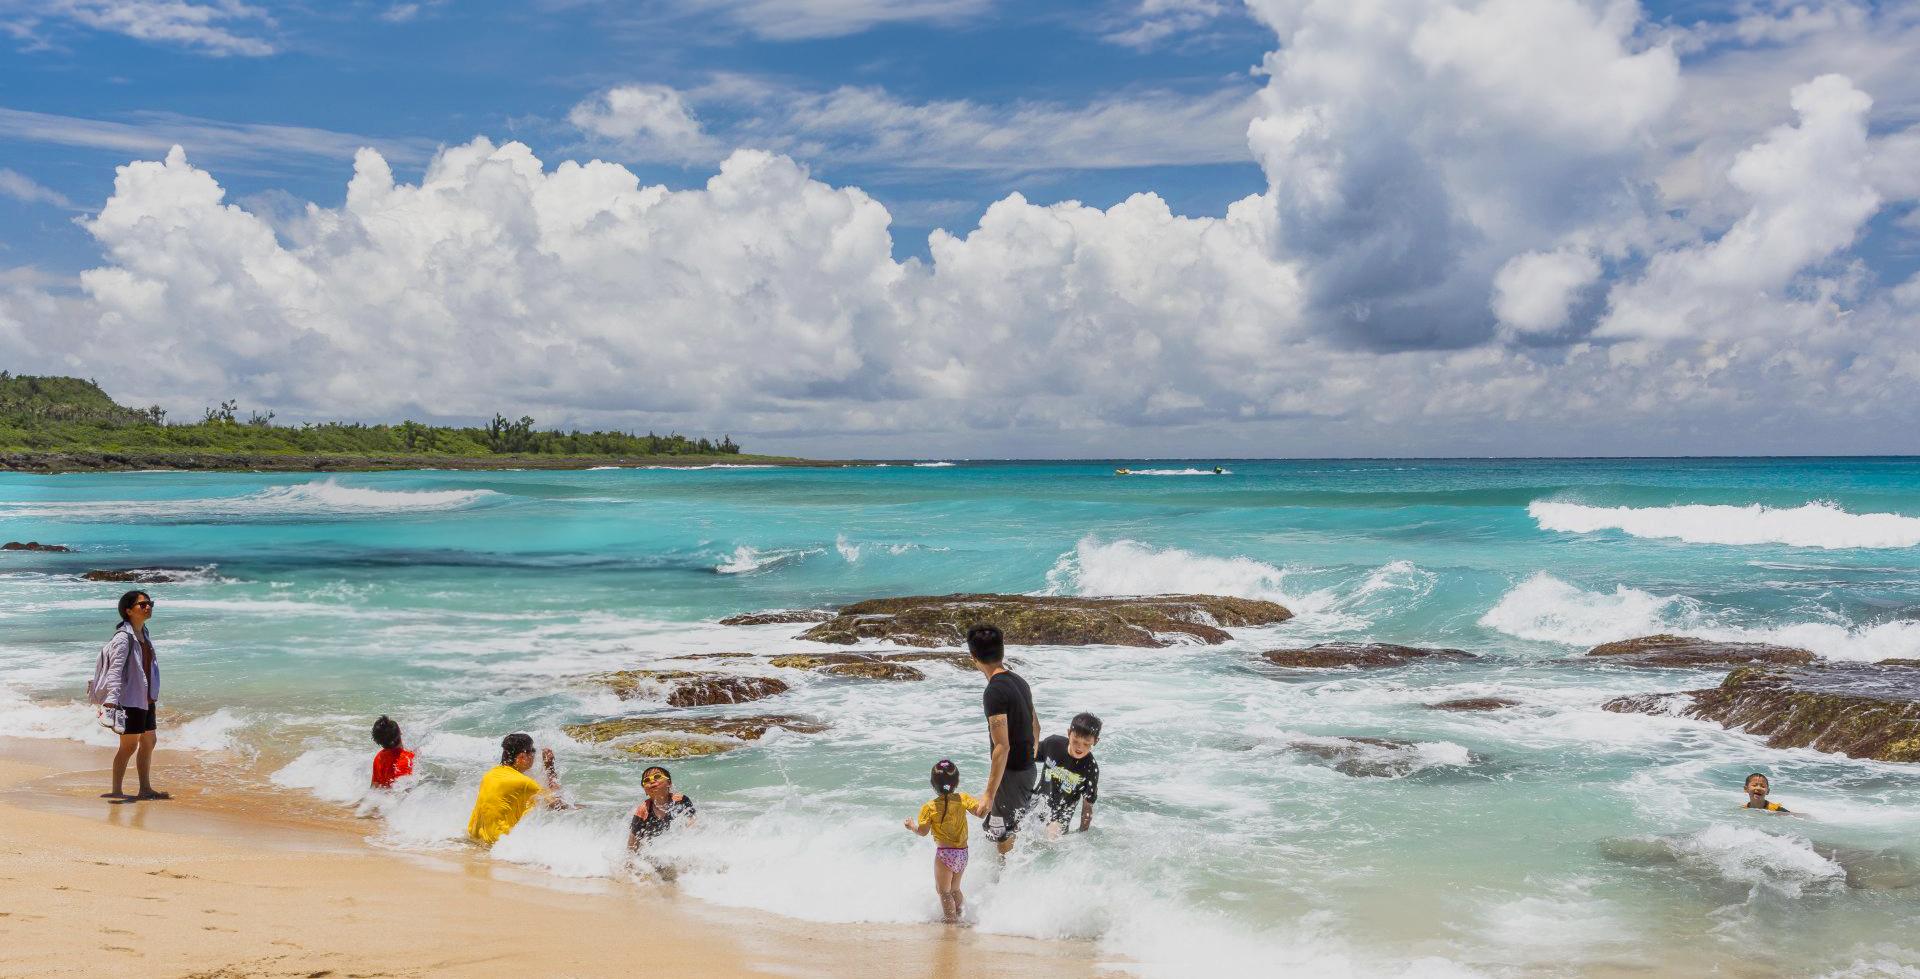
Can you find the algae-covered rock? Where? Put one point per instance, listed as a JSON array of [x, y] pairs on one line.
[[1855, 709], [141, 576], [685, 688], [34, 545], [1025, 620], [1366, 655], [751, 728], [1687, 651], [671, 746], [1899, 662], [1475, 704], [783, 616], [850, 664]]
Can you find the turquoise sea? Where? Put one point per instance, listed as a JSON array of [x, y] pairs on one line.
[[1550, 839]]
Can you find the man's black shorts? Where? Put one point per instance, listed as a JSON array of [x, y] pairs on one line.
[[1010, 803], [139, 721]]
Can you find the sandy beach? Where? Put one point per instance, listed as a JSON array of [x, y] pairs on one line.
[[230, 879]]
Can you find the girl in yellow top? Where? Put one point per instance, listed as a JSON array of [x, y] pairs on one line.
[[945, 816]]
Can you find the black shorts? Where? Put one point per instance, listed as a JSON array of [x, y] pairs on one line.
[[1010, 805], [139, 721]]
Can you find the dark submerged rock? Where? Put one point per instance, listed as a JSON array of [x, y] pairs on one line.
[[850, 664], [34, 545], [685, 737], [685, 688], [1687, 652], [141, 576], [1362, 757], [1025, 620], [1854, 709], [1475, 704], [785, 616], [1361, 655]]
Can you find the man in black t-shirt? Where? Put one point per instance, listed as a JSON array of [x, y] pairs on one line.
[[1011, 728], [1068, 774]]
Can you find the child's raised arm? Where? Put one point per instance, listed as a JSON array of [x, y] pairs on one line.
[[918, 828]]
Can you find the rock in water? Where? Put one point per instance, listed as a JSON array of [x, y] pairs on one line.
[[1368, 655], [850, 664], [1854, 709], [1686, 651], [784, 616], [142, 576], [1475, 704], [34, 545], [1025, 620], [684, 688], [1360, 757], [685, 737]]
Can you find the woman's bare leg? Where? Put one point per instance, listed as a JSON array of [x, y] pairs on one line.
[[144, 762], [128, 744]]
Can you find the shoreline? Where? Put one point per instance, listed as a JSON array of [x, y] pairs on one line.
[[62, 463], [235, 877]]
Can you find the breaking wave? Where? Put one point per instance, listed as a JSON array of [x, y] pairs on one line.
[[1544, 608], [322, 497], [1821, 525], [748, 560]]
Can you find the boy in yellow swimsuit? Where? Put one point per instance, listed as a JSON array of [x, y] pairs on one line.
[[507, 794], [1757, 788]]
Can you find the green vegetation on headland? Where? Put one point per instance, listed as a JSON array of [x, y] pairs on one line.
[[65, 424]]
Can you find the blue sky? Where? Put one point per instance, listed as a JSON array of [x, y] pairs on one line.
[[455, 70], [1393, 227]]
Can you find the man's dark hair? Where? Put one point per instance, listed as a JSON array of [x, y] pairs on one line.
[[1085, 723], [986, 645], [386, 733], [512, 745]]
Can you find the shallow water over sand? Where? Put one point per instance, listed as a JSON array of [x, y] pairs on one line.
[[1548, 838]]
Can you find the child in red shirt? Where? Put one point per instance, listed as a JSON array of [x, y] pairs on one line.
[[394, 760]]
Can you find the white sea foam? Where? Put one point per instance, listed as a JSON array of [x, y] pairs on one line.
[[1822, 525], [748, 560], [716, 465], [1755, 858], [1178, 472], [320, 497], [1546, 609], [933, 465], [1125, 567]]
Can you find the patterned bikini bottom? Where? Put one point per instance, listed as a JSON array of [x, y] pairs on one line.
[[954, 858]]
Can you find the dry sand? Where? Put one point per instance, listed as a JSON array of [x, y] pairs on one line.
[[238, 879]]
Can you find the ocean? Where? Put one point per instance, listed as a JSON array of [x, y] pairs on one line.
[[1548, 839]]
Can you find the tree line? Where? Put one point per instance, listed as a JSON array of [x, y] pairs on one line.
[[71, 414]]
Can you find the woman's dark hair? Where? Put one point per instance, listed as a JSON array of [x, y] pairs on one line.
[[386, 733], [946, 778], [1086, 724], [127, 600], [513, 745], [986, 644]]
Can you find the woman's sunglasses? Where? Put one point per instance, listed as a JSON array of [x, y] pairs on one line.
[[146, 604], [655, 779]]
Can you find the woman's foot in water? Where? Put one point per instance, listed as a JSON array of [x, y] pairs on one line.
[[154, 794]]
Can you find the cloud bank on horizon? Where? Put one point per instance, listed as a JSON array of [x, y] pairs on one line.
[[1489, 226]]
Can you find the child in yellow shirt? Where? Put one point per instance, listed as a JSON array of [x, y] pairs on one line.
[[945, 816]]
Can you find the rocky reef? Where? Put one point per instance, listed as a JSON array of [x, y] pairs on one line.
[[1366, 757], [1855, 709], [34, 545], [687, 688], [1362, 655], [1689, 652], [685, 737], [1025, 620], [782, 616], [1475, 704], [850, 664], [141, 576]]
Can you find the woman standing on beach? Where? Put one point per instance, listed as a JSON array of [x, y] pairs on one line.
[[126, 682]]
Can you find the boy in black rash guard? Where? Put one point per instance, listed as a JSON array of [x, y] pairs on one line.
[[1069, 775], [1012, 726]]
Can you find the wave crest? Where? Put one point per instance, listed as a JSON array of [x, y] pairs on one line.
[[1821, 525]]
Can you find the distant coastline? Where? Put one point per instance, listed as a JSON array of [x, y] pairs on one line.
[[70, 425], [53, 463]]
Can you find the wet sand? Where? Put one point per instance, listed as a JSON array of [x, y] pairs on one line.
[[232, 878]]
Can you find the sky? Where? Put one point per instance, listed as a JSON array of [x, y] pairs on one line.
[[984, 228]]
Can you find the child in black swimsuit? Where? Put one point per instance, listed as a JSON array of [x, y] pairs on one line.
[[656, 813]]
